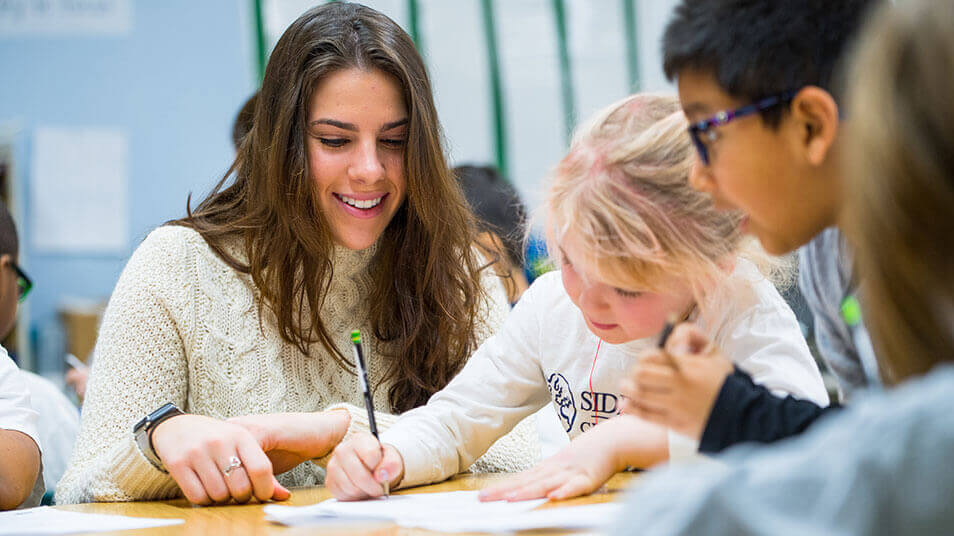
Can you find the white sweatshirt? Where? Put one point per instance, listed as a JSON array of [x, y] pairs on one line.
[[545, 353]]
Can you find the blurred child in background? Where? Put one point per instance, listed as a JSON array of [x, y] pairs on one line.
[[21, 477], [502, 219]]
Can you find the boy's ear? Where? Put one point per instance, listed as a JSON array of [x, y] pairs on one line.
[[815, 114], [5, 260]]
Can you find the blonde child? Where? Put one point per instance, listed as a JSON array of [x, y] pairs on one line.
[[636, 245]]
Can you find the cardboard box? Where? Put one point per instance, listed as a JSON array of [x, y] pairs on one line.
[[81, 324]]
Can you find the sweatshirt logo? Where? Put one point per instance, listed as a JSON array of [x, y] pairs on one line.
[[563, 398]]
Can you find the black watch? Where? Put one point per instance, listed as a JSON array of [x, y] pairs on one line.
[[142, 430]]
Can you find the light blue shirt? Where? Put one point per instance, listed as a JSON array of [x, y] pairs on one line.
[[825, 279], [880, 467]]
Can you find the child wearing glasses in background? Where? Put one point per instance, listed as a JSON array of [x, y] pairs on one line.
[[757, 84], [636, 245], [21, 478]]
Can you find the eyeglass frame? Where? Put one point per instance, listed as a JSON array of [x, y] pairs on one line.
[[700, 128], [27, 283]]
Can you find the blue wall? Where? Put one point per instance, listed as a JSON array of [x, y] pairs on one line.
[[173, 84]]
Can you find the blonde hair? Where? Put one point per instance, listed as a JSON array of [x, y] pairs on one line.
[[623, 193], [900, 168]]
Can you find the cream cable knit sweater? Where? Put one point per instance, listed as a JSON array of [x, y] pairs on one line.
[[183, 327]]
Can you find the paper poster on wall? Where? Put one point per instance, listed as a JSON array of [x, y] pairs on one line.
[[65, 17], [79, 190]]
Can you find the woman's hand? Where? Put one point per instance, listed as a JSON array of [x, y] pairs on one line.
[[289, 439], [360, 465], [676, 387], [198, 452], [587, 462]]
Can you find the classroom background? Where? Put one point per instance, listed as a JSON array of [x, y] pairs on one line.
[[113, 111]]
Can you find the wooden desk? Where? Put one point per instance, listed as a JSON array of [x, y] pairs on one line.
[[250, 520]]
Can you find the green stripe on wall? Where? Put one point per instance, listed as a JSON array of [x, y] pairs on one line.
[[413, 23], [631, 37], [262, 53], [496, 91], [566, 70]]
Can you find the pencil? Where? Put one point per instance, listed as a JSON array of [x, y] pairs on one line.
[[664, 336], [368, 402]]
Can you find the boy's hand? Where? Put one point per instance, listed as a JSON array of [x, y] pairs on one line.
[[587, 462], [360, 465], [677, 390]]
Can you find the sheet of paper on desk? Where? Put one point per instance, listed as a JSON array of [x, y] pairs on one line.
[[406, 510], [590, 516], [46, 520]]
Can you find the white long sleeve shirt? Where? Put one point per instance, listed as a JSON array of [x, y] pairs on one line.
[[545, 354]]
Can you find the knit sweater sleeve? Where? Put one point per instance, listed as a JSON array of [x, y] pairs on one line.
[[139, 365]]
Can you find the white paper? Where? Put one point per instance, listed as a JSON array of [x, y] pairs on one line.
[[591, 516], [79, 190], [47, 520], [65, 17], [406, 510]]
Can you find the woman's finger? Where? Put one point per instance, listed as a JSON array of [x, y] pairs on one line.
[[258, 468], [280, 493], [189, 483], [210, 474]]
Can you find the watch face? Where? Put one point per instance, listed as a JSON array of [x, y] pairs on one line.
[[141, 424], [163, 410]]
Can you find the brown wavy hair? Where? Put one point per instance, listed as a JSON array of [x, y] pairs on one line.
[[900, 164], [426, 292]]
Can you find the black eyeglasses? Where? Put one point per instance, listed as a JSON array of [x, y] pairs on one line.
[[24, 284], [701, 131]]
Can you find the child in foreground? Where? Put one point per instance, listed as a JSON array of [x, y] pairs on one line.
[[636, 245]]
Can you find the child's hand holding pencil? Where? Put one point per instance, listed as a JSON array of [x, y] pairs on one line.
[[677, 385]]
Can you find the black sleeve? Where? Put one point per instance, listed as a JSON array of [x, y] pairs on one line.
[[744, 411]]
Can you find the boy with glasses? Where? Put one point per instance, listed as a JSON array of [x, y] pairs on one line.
[[21, 480], [756, 80]]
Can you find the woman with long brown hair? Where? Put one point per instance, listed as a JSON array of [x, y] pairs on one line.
[[338, 213]]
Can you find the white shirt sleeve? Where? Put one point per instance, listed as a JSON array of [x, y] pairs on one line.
[[16, 411], [501, 384]]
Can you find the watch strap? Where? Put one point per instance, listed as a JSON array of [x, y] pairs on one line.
[[144, 428]]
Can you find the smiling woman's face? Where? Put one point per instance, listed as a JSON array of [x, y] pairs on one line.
[[357, 132]]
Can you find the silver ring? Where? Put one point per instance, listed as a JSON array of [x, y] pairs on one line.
[[234, 463]]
